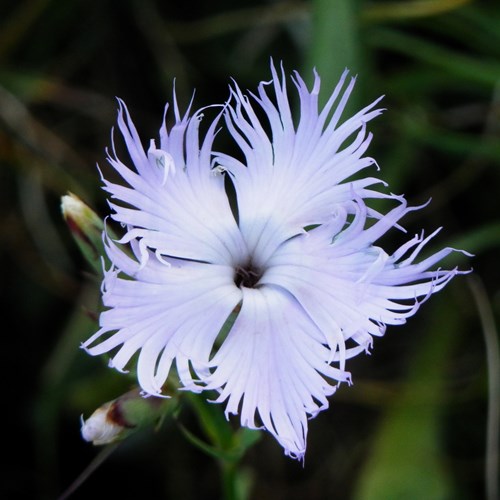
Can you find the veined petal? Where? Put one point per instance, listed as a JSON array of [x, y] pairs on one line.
[[171, 313], [273, 368], [178, 203], [340, 278], [292, 176]]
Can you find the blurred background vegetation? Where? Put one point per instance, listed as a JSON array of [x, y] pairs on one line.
[[414, 424]]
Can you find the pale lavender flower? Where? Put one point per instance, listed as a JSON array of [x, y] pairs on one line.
[[298, 261]]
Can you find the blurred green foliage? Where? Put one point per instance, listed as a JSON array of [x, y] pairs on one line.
[[418, 409]]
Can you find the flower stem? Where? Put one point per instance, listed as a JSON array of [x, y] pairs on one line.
[[229, 480]]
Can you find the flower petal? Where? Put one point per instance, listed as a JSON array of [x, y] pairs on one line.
[[293, 179], [273, 368], [350, 286], [179, 205], [171, 313]]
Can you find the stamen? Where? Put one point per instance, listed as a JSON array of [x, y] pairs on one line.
[[247, 276]]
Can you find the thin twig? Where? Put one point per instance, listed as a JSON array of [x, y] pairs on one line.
[[98, 460]]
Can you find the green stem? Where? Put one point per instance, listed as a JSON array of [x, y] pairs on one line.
[[229, 479], [335, 43]]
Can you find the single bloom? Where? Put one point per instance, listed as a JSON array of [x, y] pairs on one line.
[[295, 257]]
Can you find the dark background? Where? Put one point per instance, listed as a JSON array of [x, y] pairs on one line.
[[414, 423]]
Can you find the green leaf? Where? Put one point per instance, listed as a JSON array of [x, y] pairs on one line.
[[226, 443], [246, 438], [406, 459], [448, 141], [479, 240], [210, 450], [383, 11], [479, 70], [212, 420]]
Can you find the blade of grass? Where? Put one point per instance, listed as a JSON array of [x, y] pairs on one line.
[[482, 71], [406, 447], [383, 11], [493, 363]]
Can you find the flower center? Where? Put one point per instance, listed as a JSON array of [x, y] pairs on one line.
[[247, 276]]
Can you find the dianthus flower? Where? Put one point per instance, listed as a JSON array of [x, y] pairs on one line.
[[295, 257]]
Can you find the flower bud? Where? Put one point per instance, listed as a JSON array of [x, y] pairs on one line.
[[117, 419], [86, 228], [100, 428]]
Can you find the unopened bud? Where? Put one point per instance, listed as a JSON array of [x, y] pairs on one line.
[[86, 228], [117, 419], [99, 428]]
